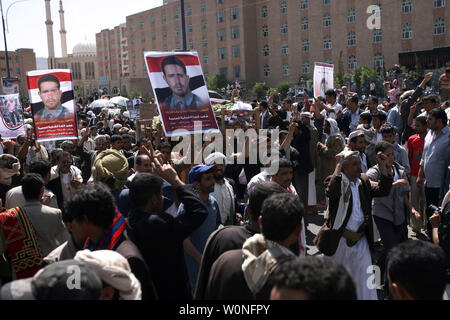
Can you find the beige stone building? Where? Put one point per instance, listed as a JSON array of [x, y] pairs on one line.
[[20, 62], [83, 63], [280, 40]]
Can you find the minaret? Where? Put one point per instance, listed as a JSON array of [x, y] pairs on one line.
[[62, 31], [51, 46]]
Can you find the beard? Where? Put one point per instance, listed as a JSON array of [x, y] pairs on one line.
[[219, 175]]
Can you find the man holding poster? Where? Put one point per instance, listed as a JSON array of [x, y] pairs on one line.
[[181, 94], [52, 104]]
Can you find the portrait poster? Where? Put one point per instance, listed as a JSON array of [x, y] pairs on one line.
[[181, 94], [10, 85], [52, 104], [11, 112], [133, 107], [323, 78]]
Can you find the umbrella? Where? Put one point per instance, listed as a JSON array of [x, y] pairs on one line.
[[121, 101], [242, 106], [101, 103]]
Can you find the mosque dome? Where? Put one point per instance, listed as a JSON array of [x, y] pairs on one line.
[[84, 49]]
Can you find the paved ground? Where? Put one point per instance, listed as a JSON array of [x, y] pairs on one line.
[[315, 221]]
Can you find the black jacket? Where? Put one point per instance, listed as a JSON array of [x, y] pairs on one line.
[[159, 237]]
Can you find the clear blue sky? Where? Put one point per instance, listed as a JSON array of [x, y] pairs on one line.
[[83, 19]]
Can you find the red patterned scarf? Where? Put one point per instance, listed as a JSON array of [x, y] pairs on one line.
[[22, 243], [112, 237]]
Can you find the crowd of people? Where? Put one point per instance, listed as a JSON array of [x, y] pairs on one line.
[[136, 219]]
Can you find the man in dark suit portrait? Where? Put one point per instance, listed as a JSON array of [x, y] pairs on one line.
[[181, 98], [50, 93]]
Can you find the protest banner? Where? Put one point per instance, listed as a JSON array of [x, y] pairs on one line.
[[133, 107], [53, 104], [181, 95], [323, 78], [10, 85], [11, 112]]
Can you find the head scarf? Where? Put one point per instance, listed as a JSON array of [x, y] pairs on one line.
[[114, 270], [9, 167], [111, 164]]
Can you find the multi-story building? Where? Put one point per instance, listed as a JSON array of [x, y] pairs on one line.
[[83, 63], [280, 40], [20, 62], [112, 57]]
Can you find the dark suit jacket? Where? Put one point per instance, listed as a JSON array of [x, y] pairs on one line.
[[367, 192]]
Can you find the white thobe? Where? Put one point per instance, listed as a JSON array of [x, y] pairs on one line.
[[356, 259]]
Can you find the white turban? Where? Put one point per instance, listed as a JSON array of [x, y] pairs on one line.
[[114, 270]]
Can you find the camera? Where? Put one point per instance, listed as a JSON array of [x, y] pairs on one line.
[[432, 209]]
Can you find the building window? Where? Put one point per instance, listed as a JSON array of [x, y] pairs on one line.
[[222, 53], [285, 69], [178, 46], [378, 60], [220, 1], [177, 31], [326, 2], [134, 68], [142, 23], [406, 6], [265, 31], [203, 24], [266, 50], [236, 51], [305, 23], [175, 14], [284, 28], [328, 60], [439, 3], [235, 32], [203, 6], [407, 32], [189, 27], [326, 20], [131, 28], [234, 13], [377, 36], [351, 63], [351, 15], [220, 16], [189, 11], [284, 48], [266, 70], [133, 55], [223, 71], [439, 26], [132, 40], [142, 38], [305, 67], [165, 48], [163, 17], [237, 72], [152, 19], [305, 45], [164, 33], [205, 43], [304, 4], [221, 35], [205, 59], [351, 39], [327, 43], [191, 44], [283, 6], [264, 12]]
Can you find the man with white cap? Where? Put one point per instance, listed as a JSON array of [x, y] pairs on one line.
[[357, 142], [223, 190], [114, 271], [349, 214]]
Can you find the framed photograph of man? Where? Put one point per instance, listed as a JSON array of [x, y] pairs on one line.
[[52, 104], [11, 112], [181, 94]]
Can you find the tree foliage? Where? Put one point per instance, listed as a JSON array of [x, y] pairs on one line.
[[216, 82], [283, 89], [259, 89]]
